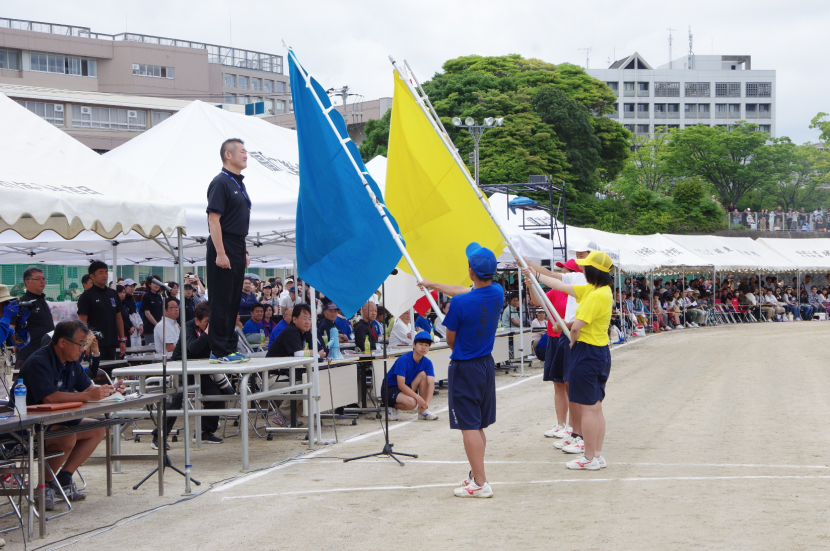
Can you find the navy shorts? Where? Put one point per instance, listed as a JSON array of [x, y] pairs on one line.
[[590, 366], [472, 393], [557, 360], [389, 395]]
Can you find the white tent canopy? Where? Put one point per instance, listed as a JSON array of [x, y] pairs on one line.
[[51, 181], [806, 254], [734, 254], [666, 255]]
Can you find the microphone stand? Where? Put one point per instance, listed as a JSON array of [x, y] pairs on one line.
[[387, 446], [163, 405]]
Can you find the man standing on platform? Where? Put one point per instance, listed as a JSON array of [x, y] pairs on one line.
[[229, 214], [471, 324]]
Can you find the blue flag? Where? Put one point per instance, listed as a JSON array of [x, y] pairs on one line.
[[344, 248]]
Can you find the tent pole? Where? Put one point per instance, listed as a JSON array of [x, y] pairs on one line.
[[546, 304], [314, 391], [114, 263], [379, 205], [183, 322]]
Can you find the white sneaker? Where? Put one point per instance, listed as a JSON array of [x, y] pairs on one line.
[[427, 415], [474, 490], [559, 431], [577, 447], [466, 481], [567, 441], [393, 414], [695, 324], [602, 463], [584, 464], [679, 326]]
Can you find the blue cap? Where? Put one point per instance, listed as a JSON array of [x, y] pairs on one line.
[[423, 336], [481, 260]]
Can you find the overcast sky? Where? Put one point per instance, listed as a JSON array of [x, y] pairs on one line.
[[347, 43]]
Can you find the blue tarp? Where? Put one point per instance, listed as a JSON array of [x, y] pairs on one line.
[[344, 249]]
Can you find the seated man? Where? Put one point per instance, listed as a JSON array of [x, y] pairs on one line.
[[510, 315], [248, 297], [198, 348], [401, 334], [11, 335], [411, 381], [364, 329], [295, 339], [53, 374], [170, 327], [255, 324], [286, 319], [329, 322]]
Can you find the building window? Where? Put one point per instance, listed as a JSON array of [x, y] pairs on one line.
[[616, 113], [269, 86], [628, 110], [629, 127], [51, 112], [230, 81], [691, 111], [243, 83], [615, 87], [63, 65], [642, 111], [667, 89], [290, 106], [157, 71], [703, 110], [721, 111], [642, 129], [242, 100], [159, 116], [697, 89], [758, 90], [734, 110], [230, 98], [10, 59], [764, 111], [642, 89], [765, 128], [659, 110], [751, 110], [256, 84], [727, 89], [628, 89], [280, 87], [674, 110], [280, 107], [109, 119]]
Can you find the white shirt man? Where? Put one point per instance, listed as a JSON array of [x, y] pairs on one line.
[[401, 334], [172, 331]]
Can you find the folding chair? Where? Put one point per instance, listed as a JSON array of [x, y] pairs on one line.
[[745, 312]]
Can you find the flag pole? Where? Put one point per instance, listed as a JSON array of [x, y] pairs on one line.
[[381, 208], [546, 304]]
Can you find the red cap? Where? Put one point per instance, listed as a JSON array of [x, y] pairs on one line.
[[571, 265]]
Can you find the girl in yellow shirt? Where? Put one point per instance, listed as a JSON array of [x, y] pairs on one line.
[[590, 355]]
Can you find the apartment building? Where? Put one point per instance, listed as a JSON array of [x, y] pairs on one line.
[[715, 90], [72, 76], [355, 115]]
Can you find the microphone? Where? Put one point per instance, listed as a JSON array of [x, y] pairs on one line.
[[160, 284]]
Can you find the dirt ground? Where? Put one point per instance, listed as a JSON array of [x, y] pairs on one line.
[[716, 439]]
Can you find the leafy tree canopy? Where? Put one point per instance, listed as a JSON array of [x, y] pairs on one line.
[[377, 137]]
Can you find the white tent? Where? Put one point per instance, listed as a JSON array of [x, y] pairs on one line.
[[51, 181], [666, 255], [807, 254], [734, 254]]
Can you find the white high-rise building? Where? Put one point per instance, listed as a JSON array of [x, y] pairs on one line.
[[697, 89]]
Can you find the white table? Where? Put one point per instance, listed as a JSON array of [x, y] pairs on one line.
[[204, 367]]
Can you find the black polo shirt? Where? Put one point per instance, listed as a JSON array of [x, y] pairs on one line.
[[228, 197], [153, 302], [101, 306], [39, 323], [44, 374]]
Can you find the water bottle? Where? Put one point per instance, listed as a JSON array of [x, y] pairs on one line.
[[366, 349], [20, 398], [262, 338], [306, 352]]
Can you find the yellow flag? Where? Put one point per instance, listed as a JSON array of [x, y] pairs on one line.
[[430, 197]]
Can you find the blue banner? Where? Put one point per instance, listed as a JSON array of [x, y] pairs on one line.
[[344, 248]]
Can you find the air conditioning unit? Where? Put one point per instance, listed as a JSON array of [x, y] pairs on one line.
[[136, 67], [59, 109], [86, 110], [132, 114]]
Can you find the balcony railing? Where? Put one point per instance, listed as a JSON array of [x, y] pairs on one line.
[[764, 115], [703, 115], [614, 115], [691, 115], [721, 115], [628, 93], [734, 114], [642, 93], [628, 115], [751, 115], [674, 114], [642, 114], [659, 114]]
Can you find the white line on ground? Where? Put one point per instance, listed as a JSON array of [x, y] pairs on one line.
[[556, 481], [553, 462], [253, 476]]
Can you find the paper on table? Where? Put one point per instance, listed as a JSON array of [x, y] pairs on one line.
[[114, 397]]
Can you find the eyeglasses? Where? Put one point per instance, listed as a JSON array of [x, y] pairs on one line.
[[78, 344], [37, 279]]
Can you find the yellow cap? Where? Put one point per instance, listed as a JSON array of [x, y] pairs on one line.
[[598, 260]]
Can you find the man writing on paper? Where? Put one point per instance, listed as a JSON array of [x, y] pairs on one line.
[[54, 375]]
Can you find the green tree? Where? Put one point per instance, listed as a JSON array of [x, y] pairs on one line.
[[822, 123], [734, 161], [648, 167], [804, 170], [377, 137]]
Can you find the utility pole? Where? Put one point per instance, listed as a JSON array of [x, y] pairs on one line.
[[587, 56], [670, 56]]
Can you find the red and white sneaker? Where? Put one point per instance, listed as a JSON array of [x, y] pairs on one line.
[[474, 490], [584, 464], [559, 431], [567, 441], [577, 447]]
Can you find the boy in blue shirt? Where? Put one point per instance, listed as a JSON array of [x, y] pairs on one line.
[[471, 331], [411, 381]]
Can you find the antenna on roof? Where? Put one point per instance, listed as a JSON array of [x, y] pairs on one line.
[[587, 56], [691, 52], [670, 56]]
